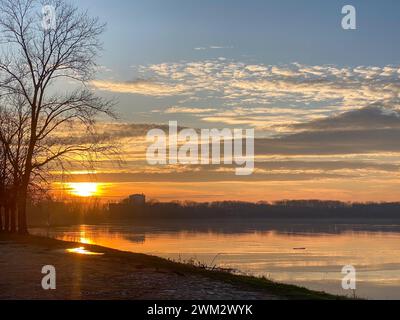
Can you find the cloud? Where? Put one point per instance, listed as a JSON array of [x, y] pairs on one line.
[[370, 130], [221, 47], [332, 142], [265, 171], [234, 81], [256, 95], [213, 48], [229, 82], [189, 110], [273, 118], [103, 69], [373, 129], [203, 175], [327, 165], [142, 87], [316, 91], [357, 145], [109, 132], [368, 118], [286, 72]]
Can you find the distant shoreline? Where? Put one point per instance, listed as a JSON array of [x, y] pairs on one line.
[[119, 275], [58, 213], [240, 224]]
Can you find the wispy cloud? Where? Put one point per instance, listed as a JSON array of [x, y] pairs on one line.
[[213, 48], [142, 87], [189, 110], [240, 91], [257, 83], [272, 98], [373, 117]]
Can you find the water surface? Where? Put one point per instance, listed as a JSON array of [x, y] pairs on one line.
[[307, 254]]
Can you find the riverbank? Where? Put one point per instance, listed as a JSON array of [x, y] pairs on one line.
[[98, 273]]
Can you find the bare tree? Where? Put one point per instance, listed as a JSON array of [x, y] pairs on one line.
[[5, 170], [14, 127], [47, 64], [3, 181]]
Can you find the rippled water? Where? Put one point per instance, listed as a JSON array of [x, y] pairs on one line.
[[306, 254]]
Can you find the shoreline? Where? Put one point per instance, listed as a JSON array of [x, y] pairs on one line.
[[119, 275]]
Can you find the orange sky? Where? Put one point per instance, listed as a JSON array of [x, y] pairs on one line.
[[360, 190]]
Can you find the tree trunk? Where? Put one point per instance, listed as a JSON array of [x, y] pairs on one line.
[[1, 218], [6, 218], [22, 223], [13, 222]]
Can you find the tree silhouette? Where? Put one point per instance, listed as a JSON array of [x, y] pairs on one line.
[[45, 65]]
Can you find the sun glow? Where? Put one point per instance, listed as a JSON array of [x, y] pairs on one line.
[[84, 190]]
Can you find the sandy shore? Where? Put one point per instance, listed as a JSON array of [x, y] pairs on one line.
[[121, 275]]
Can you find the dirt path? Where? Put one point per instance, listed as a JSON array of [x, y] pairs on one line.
[[113, 275]]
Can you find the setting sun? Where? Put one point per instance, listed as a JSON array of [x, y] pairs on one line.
[[87, 189]]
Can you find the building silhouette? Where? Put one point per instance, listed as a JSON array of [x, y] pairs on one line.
[[137, 199]]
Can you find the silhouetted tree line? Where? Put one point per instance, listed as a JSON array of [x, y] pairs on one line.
[[65, 213], [57, 213], [281, 209]]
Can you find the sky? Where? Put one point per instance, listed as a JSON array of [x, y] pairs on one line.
[[324, 101]]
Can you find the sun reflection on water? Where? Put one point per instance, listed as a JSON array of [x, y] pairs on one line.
[[83, 251]]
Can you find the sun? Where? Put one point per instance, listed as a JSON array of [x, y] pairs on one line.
[[83, 189]]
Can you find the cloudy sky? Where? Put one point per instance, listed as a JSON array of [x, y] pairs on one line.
[[324, 101]]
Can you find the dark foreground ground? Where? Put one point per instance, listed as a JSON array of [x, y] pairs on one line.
[[120, 275]]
